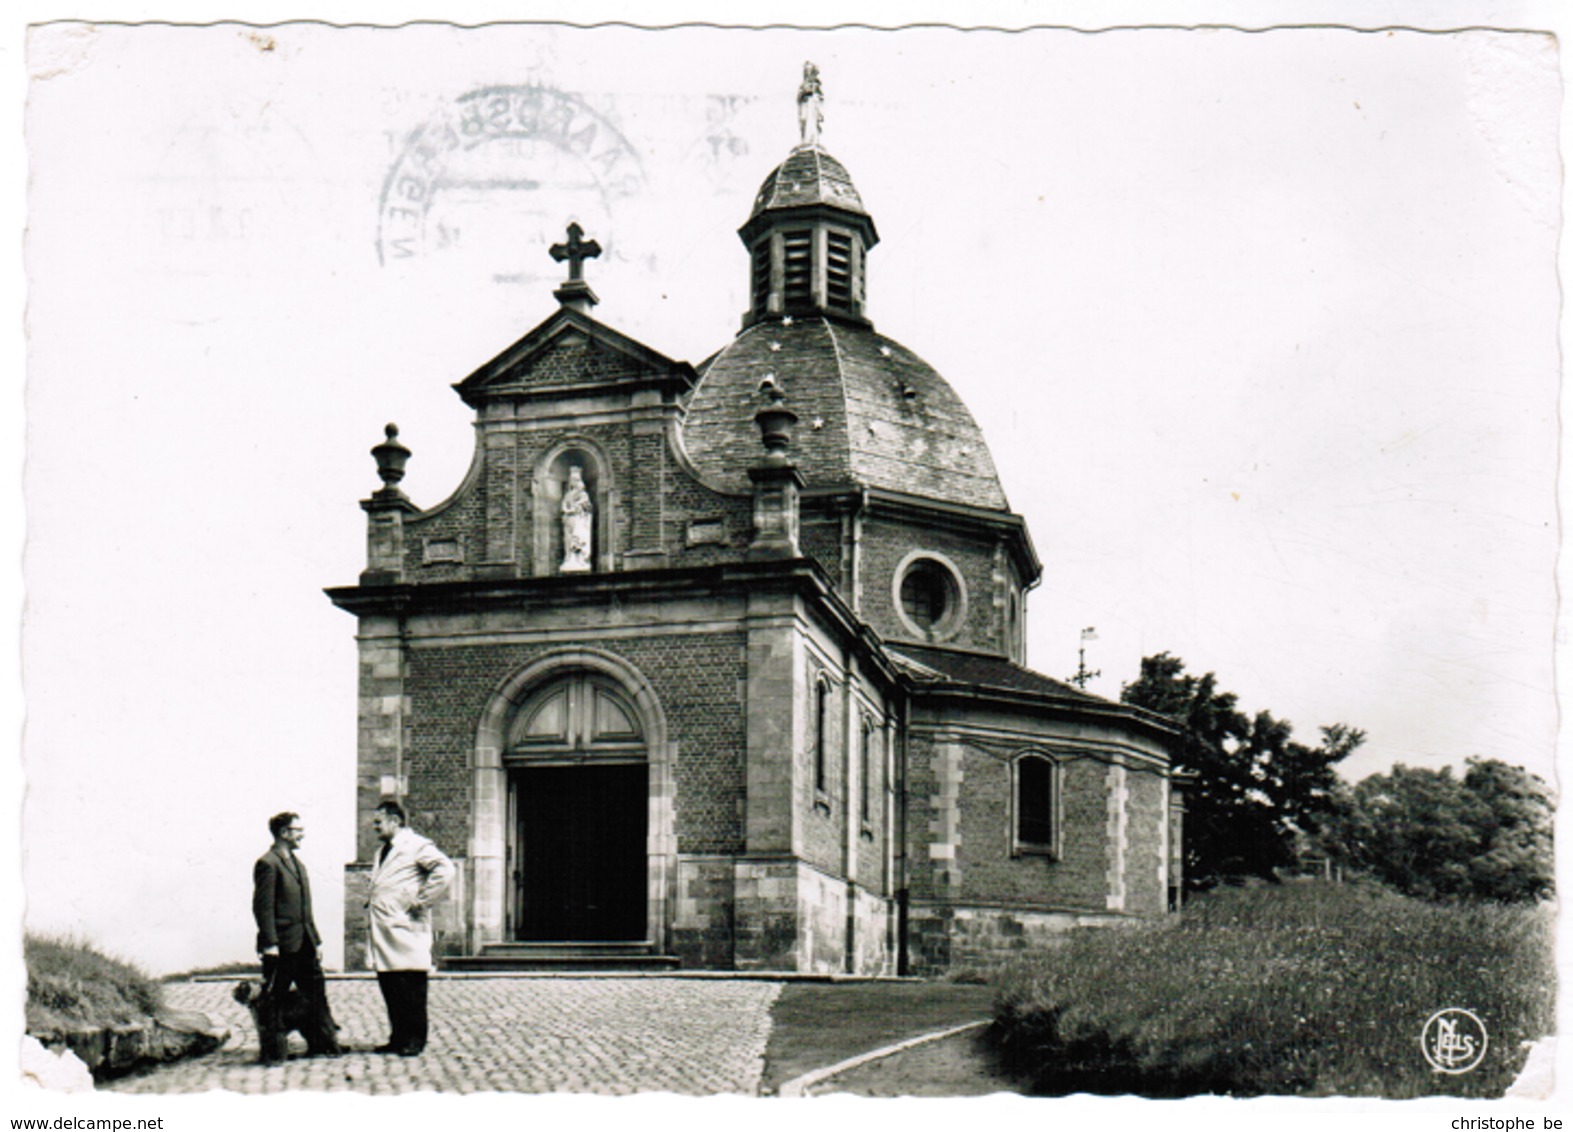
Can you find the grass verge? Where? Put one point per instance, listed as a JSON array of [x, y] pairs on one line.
[[72, 985], [818, 1024], [1301, 989]]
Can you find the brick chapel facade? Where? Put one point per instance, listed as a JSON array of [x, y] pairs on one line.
[[722, 666]]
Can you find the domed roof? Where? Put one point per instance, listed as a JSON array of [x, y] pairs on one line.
[[870, 413], [808, 176]]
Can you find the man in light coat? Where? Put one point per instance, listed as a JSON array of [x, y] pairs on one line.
[[408, 877]]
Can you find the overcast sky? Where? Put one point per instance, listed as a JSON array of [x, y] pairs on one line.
[[1261, 329]]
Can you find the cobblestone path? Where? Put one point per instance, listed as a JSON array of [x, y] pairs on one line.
[[518, 1035]]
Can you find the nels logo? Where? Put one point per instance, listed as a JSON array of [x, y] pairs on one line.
[[1453, 1041]]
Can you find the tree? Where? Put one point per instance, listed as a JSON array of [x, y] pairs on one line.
[[1256, 788], [1486, 836]]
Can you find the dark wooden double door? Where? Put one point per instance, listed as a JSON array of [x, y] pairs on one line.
[[580, 849]]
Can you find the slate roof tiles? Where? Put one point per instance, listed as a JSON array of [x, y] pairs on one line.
[[870, 413]]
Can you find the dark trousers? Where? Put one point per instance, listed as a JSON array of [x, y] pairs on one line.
[[302, 970], [404, 992]]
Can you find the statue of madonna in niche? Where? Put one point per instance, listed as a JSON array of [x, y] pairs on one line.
[[578, 520]]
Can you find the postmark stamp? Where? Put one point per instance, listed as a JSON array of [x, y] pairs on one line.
[[495, 173], [720, 151]]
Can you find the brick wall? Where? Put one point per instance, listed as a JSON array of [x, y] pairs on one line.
[[1145, 883], [696, 677], [728, 518], [1116, 836], [831, 826], [988, 871], [511, 459], [885, 543], [644, 491], [460, 519], [820, 539], [1081, 873], [871, 840], [492, 515], [503, 504], [823, 828], [575, 360], [920, 786], [960, 840]]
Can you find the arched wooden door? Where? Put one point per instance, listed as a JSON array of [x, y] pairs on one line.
[[579, 796]]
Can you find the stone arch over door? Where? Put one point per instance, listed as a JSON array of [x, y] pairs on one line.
[[490, 818], [546, 492]]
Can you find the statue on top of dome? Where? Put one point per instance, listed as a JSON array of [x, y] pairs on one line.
[[810, 106]]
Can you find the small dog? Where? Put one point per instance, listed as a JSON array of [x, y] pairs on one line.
[[292, 1012]]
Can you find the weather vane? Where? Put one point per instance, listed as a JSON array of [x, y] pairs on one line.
[[1083, 673], [810, 107]]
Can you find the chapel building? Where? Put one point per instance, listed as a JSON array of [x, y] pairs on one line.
[[722, 667]]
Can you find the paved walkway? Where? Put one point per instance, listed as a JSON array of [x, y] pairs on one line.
[[521, 1035]]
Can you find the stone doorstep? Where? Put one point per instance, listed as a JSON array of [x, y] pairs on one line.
[[560, 961]]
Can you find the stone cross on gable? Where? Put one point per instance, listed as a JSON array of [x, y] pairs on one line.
[[575, 251]]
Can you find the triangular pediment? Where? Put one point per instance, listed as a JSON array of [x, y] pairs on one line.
[[571, 350]]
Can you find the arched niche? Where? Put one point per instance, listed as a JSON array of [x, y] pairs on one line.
[[547, 488]]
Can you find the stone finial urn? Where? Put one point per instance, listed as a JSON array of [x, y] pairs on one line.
[[391, 456], [776, 423]]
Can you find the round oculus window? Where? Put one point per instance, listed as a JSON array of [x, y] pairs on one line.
[[930, 597]]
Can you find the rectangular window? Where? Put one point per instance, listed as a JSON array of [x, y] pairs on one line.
[[866, 772], [821, 733], [1035, 804]]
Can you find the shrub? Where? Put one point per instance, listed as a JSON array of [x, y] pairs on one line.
[[72, 985], [1486, 836], [1307, 989]]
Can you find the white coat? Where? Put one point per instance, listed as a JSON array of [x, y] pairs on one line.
[[404, 886]]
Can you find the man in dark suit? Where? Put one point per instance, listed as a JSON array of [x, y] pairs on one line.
[[287, 940]]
